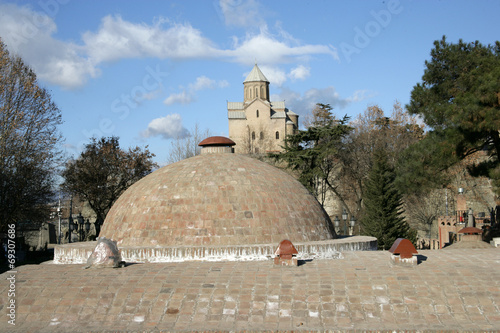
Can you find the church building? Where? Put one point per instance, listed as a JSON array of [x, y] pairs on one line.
[[257, 125]]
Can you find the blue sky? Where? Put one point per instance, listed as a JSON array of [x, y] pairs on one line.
[[149, 71]]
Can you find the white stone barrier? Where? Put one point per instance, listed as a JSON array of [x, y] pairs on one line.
[[78, 253]]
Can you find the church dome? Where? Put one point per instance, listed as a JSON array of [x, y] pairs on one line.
[[256, 75], [216, 199]]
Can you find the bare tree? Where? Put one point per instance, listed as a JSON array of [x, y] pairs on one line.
[[247, 141], [371, 130], [423, 210], [185, 147], [29, 142], [258, 140]]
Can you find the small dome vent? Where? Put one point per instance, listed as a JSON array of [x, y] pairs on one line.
[[217, 145]]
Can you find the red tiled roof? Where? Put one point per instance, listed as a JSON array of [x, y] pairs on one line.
[[217, 141], [470, 230]]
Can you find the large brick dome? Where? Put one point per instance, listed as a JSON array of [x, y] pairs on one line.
[[216, 199]]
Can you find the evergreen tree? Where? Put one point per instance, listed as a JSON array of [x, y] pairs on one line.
[[383, 210], [312, 153], [459, 101]]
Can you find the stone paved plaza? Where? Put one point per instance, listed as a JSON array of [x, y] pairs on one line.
[[456, 290]]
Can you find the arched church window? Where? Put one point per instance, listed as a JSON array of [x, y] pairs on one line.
[[256, 92], [257, 113], [262, 135], [253, 135], [262, 92], [277, 135]]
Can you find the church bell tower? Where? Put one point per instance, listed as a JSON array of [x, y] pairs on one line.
[[256, 85]]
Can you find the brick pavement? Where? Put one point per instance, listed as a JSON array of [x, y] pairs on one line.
[[450, 290]]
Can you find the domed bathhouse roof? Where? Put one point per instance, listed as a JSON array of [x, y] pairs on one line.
[[215, 206], [216, 199]]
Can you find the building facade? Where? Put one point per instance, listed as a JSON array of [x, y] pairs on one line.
[[257, 125]]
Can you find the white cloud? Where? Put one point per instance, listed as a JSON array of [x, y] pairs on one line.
[[223, 84], [21, 25], [266, 49], [274, 74], [202, 82], [187, 96], [167, 127], [242, 13], [277, 77], [300, 72], [118, 39], [70, 148], [360, 95], [180, 98], [31, 35], [303, 104], [150, 95]]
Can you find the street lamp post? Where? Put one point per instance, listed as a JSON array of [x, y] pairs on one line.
[[87, 228], [351, 225], [59, 214], [80, 226], [70, 219], [336, 222], [344, 218], [70, 228]]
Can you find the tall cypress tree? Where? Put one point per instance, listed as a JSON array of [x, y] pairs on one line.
[[383, 212]]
